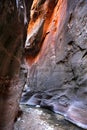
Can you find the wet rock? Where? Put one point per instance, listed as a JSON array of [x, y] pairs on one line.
[[41, 119]]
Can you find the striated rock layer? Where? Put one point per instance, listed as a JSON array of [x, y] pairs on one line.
[[56, 57]]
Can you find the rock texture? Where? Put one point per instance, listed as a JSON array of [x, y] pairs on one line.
[[42, 119], [11, 47], [55, 73], [56, 56]]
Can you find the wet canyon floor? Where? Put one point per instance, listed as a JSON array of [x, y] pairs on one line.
[[41, 119]]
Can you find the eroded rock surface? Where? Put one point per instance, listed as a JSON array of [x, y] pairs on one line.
[[56, 55], [11, 48], [56, 60]]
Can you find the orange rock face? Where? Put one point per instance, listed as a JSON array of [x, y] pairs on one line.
[[56, 54], [41, 16]]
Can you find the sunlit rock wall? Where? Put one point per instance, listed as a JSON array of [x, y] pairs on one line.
[[60, 59], [56, 52]]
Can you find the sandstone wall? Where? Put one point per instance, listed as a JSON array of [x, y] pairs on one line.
[[11, 49], [56, 54]]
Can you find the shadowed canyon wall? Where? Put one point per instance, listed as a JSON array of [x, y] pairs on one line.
[[12, 29], [56, 56]]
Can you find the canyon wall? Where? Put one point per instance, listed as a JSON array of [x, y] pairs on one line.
[[12, 30], [55, 54], [56, 57]]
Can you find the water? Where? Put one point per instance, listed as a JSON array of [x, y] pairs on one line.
[[42, 119]]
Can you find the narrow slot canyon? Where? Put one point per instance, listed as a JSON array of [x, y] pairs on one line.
[[43, 64]]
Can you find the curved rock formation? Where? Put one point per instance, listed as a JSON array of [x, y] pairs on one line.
[[56, 55]]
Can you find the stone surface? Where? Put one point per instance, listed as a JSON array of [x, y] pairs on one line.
[[55, 73], [11, 48], [56, 56], [41, 119]]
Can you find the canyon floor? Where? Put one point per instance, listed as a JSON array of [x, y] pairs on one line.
[[41, 119]]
